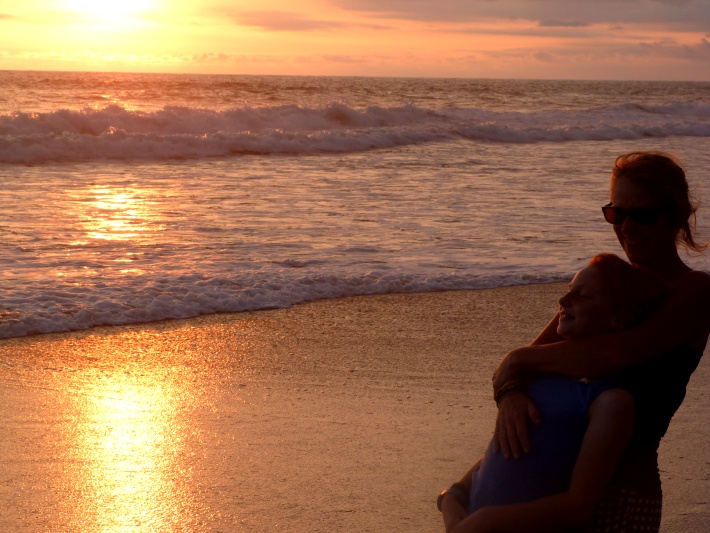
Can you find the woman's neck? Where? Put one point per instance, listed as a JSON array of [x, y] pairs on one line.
[[669, 268]]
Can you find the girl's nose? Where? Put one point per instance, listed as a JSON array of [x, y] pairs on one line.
[[564, 300]]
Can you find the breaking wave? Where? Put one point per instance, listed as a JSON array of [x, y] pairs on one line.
[[117, 133]]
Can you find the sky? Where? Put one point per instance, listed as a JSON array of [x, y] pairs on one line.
[[544, 39]]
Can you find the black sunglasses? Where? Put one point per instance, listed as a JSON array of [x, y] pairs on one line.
[[645, 216]]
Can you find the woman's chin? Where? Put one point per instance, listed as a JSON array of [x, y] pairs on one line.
[[641, 260], [640, 252]]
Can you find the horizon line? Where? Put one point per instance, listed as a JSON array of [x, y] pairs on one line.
[[171, 73]]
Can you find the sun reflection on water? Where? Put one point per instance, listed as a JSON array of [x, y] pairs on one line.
[[128, 441], [118, 214], [112, 226]]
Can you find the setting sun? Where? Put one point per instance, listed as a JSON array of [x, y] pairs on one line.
[[109, 16], [125, 8]]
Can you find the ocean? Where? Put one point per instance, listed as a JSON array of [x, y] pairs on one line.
[[132, 198]]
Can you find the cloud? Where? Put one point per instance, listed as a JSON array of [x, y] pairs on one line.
[[561, 31], [629, 54], [287, 21], [210, 58], [5, 16], [688, 14], [562, 24], [672, 50], [283, 21], [345, 59]]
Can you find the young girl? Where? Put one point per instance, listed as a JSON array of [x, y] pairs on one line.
[[585, 426]]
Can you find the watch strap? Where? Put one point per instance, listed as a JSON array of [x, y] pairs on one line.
[[457, 489]]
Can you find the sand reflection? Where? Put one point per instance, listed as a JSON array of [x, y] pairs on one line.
[[129, 441]]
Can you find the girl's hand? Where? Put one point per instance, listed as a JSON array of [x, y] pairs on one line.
[[482, 521], [453, 513], [511, 433]]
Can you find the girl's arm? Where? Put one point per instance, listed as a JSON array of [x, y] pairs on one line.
[[684, 318], [451, 509], [608, 433]]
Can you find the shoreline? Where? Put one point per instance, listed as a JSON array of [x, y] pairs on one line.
[[11, 321], [342, 414]]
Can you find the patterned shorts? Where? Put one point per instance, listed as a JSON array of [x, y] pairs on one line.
[[623, 510]]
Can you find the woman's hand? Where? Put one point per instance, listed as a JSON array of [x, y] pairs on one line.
[[511, 433]]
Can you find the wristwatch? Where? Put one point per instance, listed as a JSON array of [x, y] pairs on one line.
[[457, 489]]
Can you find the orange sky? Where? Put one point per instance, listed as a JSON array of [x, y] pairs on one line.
[[604, 39]]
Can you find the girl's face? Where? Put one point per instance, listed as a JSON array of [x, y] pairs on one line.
[[587, 308], [644, 244]]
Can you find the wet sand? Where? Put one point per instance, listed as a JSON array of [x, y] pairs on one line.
[[340, 415]]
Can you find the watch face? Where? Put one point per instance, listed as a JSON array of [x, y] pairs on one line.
[[461, 496], [440, 498]]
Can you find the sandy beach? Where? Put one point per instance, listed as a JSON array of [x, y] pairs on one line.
[[338, 415]]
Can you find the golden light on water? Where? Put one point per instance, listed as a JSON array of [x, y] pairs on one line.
[[128, 217], [118, 214], [128, 443]]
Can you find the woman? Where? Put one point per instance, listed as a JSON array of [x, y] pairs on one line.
[[587, 424], [652, 213]]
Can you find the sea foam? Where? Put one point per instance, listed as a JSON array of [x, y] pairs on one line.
[[116, 133], [68, 309]]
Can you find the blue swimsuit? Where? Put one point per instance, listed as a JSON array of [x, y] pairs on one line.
[[563, 405]]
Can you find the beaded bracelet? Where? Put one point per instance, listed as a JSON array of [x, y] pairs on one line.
[[505, 390]]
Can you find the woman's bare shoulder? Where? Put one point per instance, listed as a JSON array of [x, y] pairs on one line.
[[698, 275], [695, 283], [693, 293]]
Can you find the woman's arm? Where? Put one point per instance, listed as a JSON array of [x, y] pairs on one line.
[[514, 410], [608, 433], [549, 334], [684, 318]]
